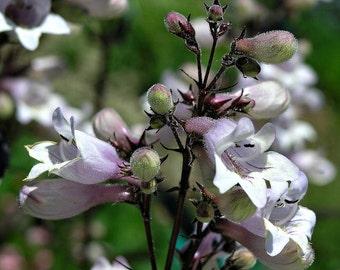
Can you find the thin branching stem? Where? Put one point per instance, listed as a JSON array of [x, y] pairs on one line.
[[146, 207], [183, 187], [212, 53]]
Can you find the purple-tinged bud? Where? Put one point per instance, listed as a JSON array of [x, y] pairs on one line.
[[242, 259], [178, 24], [199, 125], [249, 67], [26, 13], [160, 99], [215, 14], [272, 47], [235, 204], [149, 187], [145, 163], [6, 105], [109, 126], [205, 212]]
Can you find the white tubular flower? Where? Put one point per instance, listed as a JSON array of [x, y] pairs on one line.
[[60, 198], [29, 19], [240, 158], [78, 156]]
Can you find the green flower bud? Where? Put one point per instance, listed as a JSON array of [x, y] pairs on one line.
[[249, 67], [160, 99], [145, 163], [272, 47], [243, 259], [149, 187], [235, 205], [205, 212]]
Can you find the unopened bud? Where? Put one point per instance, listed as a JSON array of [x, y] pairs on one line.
[[249, 67], [215, 13], [160, 99], [205, 212], [178, 24], [199, 125], [242, 259], [145, 163], [107, 124], [272, 47], [235, 205], [149, 187]]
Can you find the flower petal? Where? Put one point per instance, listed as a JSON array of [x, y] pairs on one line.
[[62, 126], [279, 168], [54, 24], [29, 38], [256, 189], [4, 25], [276, 238], [224, 179]]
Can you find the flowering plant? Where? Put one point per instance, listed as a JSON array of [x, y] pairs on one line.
[[246, 191]]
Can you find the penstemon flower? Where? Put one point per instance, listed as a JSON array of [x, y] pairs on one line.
[[29, 19], [240, 157], [77, 157]]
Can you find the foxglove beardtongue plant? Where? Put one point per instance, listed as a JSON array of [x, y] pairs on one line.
[[29, 19], [247, 203]]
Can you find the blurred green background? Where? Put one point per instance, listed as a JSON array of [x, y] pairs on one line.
[[135, 62]]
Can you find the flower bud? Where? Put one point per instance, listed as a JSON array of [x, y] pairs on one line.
[[242, 259], [235, 205], [149, 187], [272, 47], [215, 14], [249, 67], [107, 124], [178, 24], [199, 125], [6, 105], [205, 212], [145, 163], [160, 99]]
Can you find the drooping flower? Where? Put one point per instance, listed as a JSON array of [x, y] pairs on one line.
[[241, 159], [289, 255], [60, 198], [279, 233], [29, 19], [78, 156]]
